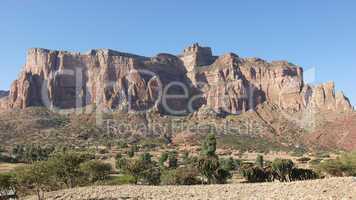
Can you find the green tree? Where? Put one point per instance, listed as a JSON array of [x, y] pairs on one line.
[[209, 145], [67, 166], [37, 176], [208, 162]]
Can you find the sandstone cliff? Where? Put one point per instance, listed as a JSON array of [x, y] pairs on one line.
[[115, 80]]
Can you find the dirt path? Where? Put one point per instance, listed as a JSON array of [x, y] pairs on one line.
[[333, 188]]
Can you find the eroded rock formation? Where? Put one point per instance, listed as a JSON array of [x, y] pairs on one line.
[[225, 84]]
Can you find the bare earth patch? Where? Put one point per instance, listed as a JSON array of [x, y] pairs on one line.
[[333, 188]]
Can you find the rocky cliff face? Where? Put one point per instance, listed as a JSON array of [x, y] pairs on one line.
[[116, 80]]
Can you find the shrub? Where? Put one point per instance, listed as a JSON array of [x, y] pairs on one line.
[[254, 174], [146, 158], [122, 144], [180, 176], [299, 174], [344, 165], [142, 171], [131, 152], [95, 170], [221, 175], [169, 177], [31, 153], [172, 160], [227, 164], [8, 184], [283, 169], [163, 158], [151, 176]]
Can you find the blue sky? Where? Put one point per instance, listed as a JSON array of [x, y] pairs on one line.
[[318, 34]]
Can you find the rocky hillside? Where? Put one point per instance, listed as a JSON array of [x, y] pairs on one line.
[[334, 188]]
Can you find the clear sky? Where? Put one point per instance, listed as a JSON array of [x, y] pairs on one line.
[[318, 34]]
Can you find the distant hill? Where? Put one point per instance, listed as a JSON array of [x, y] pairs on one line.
[[3, 93]]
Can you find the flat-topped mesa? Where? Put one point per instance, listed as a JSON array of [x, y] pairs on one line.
[[227, 83]]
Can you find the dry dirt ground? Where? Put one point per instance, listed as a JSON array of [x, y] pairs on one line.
[[333, 188]]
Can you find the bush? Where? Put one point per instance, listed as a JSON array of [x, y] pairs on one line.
[[207, 166], [169, 177], [8, 184], [180, 176], [121, 163], [298, 174], [172, 160], [221, 175], [146, 158], [163, 158], [31, 153], [345, 165], [131, 152], [254, 174], [122, 144], [143, 171], [151, 176], [95, 171], [227, 164], [283, 169]]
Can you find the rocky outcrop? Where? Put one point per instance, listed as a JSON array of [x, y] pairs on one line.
[[172, 84]]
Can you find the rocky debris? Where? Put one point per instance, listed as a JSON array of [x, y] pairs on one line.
[[333, 188], [116, 80]]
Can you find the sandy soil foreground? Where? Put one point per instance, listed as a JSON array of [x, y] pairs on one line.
[[333, 188]]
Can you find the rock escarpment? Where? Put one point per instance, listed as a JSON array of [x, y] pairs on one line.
[[172, 84]]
